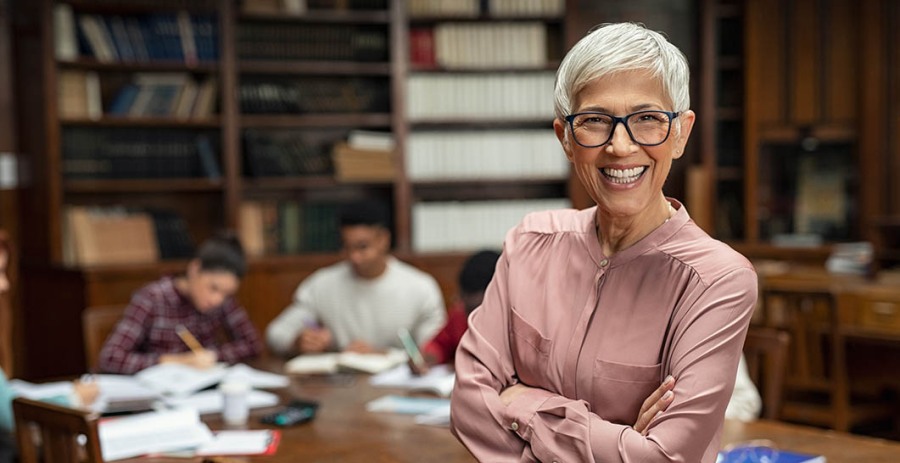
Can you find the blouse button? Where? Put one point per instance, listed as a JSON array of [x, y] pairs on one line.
[[514, 426], [604, 262]]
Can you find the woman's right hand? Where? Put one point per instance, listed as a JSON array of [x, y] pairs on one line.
[[657, 402]]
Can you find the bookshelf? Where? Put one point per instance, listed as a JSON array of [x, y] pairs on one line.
[[333, 72], [208, 108], [479, 112], [721, 116], [783, 114], [280, 89]]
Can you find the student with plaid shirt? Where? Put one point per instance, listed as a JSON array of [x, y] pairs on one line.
[[202, 300]]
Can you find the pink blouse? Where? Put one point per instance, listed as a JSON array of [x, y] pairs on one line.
[[593, 336]]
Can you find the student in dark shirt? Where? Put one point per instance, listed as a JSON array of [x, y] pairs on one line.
[[474, 277]]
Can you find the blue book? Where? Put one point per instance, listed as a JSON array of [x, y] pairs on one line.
[[762, 454], [123, 100]]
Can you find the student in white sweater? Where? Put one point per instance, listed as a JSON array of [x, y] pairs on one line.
[[358, 304]]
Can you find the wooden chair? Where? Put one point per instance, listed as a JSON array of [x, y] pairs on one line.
[[58, 428], [818, 389], [96, 324], [766, 351]]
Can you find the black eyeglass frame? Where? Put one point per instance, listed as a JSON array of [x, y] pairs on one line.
[[624, 120]]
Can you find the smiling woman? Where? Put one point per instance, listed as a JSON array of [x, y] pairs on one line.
[[611, 333]]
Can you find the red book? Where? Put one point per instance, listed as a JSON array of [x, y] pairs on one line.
[[421, 46]]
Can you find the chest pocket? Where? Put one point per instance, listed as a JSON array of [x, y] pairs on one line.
[[530, 351], [620, 389]]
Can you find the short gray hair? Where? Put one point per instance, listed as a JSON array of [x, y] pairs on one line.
[[612, 48]]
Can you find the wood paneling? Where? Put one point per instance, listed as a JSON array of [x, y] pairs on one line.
[[803, 61]]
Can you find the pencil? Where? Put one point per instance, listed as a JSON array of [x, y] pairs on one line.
[[189, 339]]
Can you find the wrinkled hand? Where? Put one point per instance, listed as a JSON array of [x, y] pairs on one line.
[[360, 347], [86, 391], [655, 403], [314, 340], [508, 395]]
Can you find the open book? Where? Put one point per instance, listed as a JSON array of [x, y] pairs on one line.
[[439, 380], [333, 362], [117, 393], [182, 380]]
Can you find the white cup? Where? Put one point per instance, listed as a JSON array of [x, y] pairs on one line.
[[235, 408]]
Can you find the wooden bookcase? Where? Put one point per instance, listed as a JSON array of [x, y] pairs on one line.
[[720, 118], [206, 201], [782, 104]]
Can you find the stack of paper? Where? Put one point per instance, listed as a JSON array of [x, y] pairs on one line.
[[152, 432], [428, 410], [257, 442], [256, 378], [439, 380], [211, 401]]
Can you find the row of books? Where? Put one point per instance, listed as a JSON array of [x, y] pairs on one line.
[[272, 227], [466, 225], [315, 95], [497, 8], [175, 95], [491, 154], [100, 235], [177, 36], [326, 42], [298, 7], [493, 96], [278, 154], [178, 95], [128, 153], [79, 95], [476, 45]]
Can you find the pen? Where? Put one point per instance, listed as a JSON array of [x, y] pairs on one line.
[[189, 339]]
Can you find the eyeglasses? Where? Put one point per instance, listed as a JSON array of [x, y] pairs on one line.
[[646, 128]]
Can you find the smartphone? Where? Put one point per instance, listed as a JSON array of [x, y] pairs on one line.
[[296, 412], [409, 344]]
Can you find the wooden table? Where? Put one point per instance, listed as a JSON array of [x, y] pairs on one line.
[[838, 447], [343, 431]]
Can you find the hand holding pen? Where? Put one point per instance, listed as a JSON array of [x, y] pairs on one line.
[[314, 338], [198, 357]]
